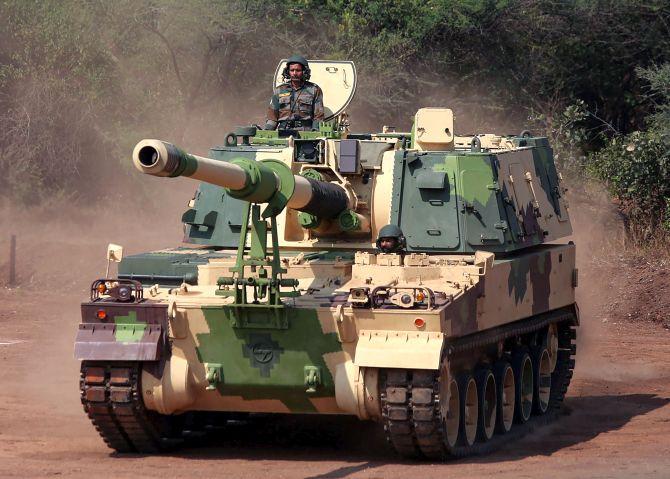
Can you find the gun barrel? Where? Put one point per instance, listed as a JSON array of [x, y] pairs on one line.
[[245, 179], [159, 158]]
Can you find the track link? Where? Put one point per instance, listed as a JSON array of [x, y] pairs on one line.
[[410, 399], [111, 396]]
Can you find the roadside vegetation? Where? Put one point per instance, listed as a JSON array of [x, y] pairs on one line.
[[82, 80]]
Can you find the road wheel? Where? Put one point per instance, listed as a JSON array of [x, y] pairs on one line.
[[486, 391], [523, 379], [469, 410], [504, 375], [552, 345], [450, 409], [541, 380]]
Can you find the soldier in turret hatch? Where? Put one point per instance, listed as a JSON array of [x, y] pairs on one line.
[[296, 104], [391, 239]]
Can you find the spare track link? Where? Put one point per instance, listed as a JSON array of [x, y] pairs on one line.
[[111, 395], [410, 398]]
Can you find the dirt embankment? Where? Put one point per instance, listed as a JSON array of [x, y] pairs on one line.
[[626, 284], [640, 287]]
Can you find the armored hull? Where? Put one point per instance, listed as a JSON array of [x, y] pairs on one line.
[[382, 363], [463, 339]]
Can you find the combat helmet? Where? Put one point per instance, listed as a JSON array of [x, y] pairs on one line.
[[394, 232], [297, 59]]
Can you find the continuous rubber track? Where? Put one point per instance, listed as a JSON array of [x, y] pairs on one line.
[[111, 396], [411, 403]]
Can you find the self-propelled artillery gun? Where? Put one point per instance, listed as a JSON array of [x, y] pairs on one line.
[[282, 302]]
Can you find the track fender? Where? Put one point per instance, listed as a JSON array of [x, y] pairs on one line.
[[109, 342], [125, 332], [399, 349]]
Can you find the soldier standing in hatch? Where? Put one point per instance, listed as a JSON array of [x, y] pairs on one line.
[[296, 104]]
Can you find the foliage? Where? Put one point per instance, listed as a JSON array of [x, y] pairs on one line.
[[658, 93], [636, 167], [636, 170], [567, 135], [82, 81], [499, 59]]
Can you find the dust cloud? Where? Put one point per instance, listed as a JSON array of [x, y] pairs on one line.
[[601, 244], [61, 243], [61, 249], [596, 234]]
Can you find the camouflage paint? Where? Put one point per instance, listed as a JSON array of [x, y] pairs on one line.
[[167, 268], [131, 331], [428, 214], [128, 328], [515, 232], [545, 170], [491, 215], [534, 270], [269, 363], [463, 311], [484, 223], [540, 272], [225, 211], [469, 206], [474, 189]]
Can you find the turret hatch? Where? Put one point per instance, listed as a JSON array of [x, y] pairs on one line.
[[337, 79]]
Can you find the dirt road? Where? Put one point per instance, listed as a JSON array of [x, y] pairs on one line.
[[616, 421]]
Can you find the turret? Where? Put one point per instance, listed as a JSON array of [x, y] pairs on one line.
[[448, 193]]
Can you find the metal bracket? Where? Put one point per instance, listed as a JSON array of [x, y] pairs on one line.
[[214, 375], [471, 209], [536, 204], [257, 316], [312, 378]]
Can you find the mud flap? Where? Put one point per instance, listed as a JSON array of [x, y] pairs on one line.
[[111, 342], [399, 349]]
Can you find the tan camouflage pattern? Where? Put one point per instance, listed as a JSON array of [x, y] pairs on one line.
[[473, 292], [483, 293]]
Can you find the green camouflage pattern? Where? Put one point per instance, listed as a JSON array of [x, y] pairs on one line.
[[477, 209], [284, 320], [266, 363]]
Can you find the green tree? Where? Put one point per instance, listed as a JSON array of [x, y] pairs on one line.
[[658, 94]]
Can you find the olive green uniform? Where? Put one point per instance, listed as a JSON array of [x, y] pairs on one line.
[[296, 108]]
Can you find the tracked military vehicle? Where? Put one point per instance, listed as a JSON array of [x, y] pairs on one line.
[[282, 303]]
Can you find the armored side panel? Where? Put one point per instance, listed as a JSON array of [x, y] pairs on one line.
[[462, 201], [172, 267]]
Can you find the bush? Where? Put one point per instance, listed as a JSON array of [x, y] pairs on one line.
[[636, 170]]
